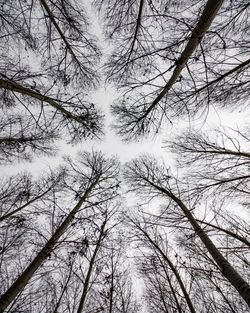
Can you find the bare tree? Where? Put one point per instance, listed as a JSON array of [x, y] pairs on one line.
[[154, 244], [164, 64], [218, 163], [21, 192], [117, 292], [158, 251], [228, 225], [145, 176], [214, 292], [96, 177], [19, 139], [102, 233], [58, 31], [71, 113], [47, 74]]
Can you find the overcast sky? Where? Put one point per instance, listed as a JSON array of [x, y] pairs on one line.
[[113, 145]]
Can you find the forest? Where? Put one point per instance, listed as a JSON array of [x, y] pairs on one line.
[[86, 231]]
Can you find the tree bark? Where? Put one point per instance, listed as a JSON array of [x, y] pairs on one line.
[[15, 87], [24, 278], [172, 267], [171, 287], [226, 268], [91, 265], [205, 21]]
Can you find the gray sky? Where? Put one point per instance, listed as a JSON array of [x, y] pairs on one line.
[[113, 145]]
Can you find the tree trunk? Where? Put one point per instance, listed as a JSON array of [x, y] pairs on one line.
[[207, 17], [91, 265], [15, 87], [172, 267], [24, 278], [112, 285], [9, 140], [226, 268], [171, 287]]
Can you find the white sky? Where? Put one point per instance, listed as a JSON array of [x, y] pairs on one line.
[[113, 145]]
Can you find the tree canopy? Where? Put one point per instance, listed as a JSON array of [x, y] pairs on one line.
[[83, 232]]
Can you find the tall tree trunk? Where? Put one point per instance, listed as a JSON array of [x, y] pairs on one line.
[[226, 268], [171, 287], [111, 297], [91, 265], [64, 289], [172, 267], [24, 278], [209, 13]]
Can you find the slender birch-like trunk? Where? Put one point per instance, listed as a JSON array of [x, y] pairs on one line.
[[226, 268], [112, 285], [171, 287], [209, 13], [90, 269], [24, 278], [172, 267]]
